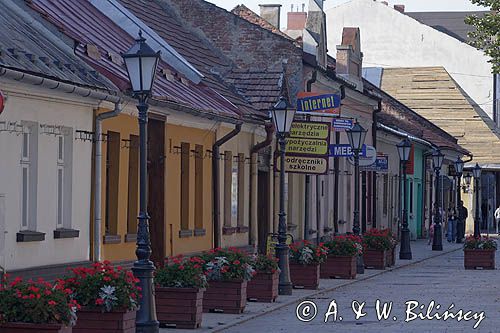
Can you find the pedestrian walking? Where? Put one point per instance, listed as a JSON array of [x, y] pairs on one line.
[[463, 214], [451, 233], [497, 220]]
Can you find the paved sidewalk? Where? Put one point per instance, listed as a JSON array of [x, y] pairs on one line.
[[213, 322]]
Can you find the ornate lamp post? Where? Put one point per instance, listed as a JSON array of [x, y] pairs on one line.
[[283, 115], [356, 136], [476, 171], [459, 169], [437, 242], [404, 149], [141, 62]]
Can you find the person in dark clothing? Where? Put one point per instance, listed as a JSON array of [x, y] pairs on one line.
[[463, 213]]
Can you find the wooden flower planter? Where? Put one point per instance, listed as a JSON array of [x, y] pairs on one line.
[[34, 328], [93, 320], [304, 277], [340, 267], [390, 257], [225, 296], [179, 307], [375, 259], [474, 259], [263, 287]]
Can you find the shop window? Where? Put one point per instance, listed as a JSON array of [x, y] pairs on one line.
[[112, 184]]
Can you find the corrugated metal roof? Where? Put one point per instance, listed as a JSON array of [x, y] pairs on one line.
[[28, 48], [433, 94], [100, 43]]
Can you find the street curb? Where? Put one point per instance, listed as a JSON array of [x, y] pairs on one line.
[[319, 292]]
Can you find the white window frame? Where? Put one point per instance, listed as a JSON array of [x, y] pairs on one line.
[[25, 178], [60, 182]]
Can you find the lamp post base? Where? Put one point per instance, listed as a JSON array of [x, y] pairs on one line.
[[285, 285], [146, 321], [437, 242], [405, 250], [360, 265]]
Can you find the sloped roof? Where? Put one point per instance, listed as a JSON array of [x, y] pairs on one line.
[[197, 51], [252, 17], [433, 94], [261, 87], [100, 42], [450, 23], [26, 48]]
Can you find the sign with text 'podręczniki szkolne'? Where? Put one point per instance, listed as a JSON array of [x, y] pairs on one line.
[[304, 164], [319, 104]]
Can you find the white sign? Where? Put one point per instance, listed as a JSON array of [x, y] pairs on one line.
[[369, 159]]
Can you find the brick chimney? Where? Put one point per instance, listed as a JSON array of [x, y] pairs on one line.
[[349, 57], [271, 13], [296, 20], [400, 8]]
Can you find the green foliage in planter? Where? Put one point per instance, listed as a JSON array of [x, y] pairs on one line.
[[228, 264], [104, 287], [345, 245], [180, 272], [306, 253], [380, 240], [265, 264], [479, 243], [37, 303]]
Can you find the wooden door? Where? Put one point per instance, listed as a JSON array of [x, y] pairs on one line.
[[263, 206], [156, 188]]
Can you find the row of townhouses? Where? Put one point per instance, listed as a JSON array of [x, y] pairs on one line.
[[69, 171]]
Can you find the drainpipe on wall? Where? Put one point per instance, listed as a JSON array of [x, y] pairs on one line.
[[216, 180], [254, 172], [307, 193], [374, 178], [98, 177]]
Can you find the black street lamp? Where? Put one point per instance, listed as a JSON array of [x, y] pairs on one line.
[[459, 169], [283, 115], [437, 241], [404, 149], [476, 171], [141, 62], [356, 136]]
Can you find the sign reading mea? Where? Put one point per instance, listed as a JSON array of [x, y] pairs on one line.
[[344, 150]]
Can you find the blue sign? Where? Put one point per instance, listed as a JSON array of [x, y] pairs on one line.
[[381, 164], [340, 125], [328, 104], [344, 150]]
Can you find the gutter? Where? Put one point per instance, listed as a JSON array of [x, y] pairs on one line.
[[374, 178], [307, 193], [216, 180], [252, 235], [98, 177], [405, 135]]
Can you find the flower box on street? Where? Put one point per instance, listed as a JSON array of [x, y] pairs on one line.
[[34, 328], [375, 259], [180, 284], [479, 252], [263, 287], [340, 267], [225, 296], [179, 307], [94, 320], [341, 260], [305, 276]]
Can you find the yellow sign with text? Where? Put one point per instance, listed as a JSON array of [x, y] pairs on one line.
[[306, 146], [310, 130], [304, 164]]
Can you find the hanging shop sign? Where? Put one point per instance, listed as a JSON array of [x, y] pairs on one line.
[[318, 104], [2, 102], [345, 150], [310, 130], [304, 165], [368, 159], [381, 164], [306, 147], [341, 125]]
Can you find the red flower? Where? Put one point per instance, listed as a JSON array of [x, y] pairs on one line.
[[52, 303], [99, 301], [236, 262]]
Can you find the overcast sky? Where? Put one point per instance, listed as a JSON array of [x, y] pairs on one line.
[[411, 5]]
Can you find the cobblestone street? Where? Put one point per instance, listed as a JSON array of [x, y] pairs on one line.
[[441, 279]]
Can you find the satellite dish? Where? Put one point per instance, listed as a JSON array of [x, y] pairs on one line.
[[369, 159]]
